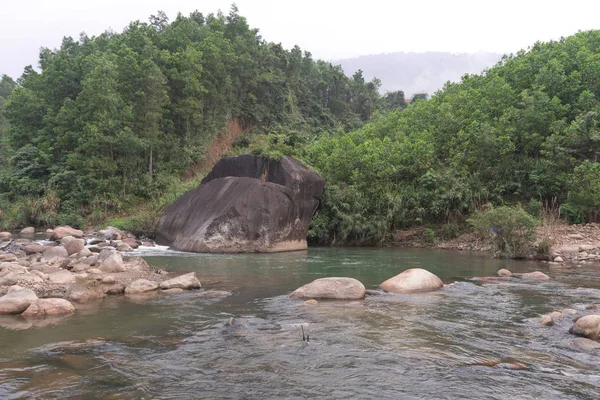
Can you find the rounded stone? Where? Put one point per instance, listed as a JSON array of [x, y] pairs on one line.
[[412, 280], [331, 288]]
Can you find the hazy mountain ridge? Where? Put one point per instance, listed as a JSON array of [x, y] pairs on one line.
[[418, 72]]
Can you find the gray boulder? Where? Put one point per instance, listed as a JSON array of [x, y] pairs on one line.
[[412, 280], [331, 288], [185, 281], [245, 204], [17, 301]]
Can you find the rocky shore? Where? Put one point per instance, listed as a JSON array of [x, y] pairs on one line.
[[49, 279]]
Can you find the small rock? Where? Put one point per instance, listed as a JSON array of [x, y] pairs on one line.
[[5, 236], [109, 280], [61, 277], [27, 231], [62, 231], [84, 291], [331, 288], [576, 236], [94, 271], [34, 248], [111, 261], [558, 259], [124, 247], [9, 279], [74, 246], [116, 289], [52, 306], [311, 302], [370, 292], [185, 281], [141, 286], [504, 272], [23, 241], [55, 252], [547, 320]]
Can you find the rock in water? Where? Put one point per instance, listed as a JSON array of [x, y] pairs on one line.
[[331, 288], [140, 286], [185, 281], [62, 231], [412, 280], [44, 307], [587, 326], [17, 301], [245, 204]]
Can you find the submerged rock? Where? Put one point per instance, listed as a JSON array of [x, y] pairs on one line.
[[331, 288], [535, 275], [587, 326], [245, 204], [412, 280]]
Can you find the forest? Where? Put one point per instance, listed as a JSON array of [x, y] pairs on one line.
[[111, 129]]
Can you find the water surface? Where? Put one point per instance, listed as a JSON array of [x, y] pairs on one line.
[[469, 340]]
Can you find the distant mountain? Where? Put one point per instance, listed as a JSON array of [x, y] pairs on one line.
[[418, 72]]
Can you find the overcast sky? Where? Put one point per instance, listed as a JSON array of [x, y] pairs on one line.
[[330, 29]]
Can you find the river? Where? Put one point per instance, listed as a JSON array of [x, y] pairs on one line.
[[469, 340]]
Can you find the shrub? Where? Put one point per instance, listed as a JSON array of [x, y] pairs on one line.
[[544, 248], [510, 230], [429, 236], [450, 231]]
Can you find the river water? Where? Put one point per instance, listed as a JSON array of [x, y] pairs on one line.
[[469, 340]]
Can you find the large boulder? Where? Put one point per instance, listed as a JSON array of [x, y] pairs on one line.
[[412, 280], [331, 288], [28, 231], [245, 204], [61, 231], [587, 326], [185, 281], [16, 301], [52, 306]]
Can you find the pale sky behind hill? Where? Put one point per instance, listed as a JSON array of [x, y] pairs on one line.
[[330, 29]]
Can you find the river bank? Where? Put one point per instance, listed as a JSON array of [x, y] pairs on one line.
[[578, 244]]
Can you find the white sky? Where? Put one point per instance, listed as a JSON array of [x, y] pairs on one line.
[[330, 29]]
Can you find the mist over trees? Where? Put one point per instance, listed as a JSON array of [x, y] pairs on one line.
[[418, 72]]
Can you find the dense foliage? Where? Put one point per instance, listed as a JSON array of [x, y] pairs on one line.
[[115, 119], [525, 131]]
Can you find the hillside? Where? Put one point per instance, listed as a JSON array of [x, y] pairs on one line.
[[418, 72]]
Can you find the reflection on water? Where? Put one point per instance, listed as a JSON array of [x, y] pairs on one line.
[[467, 341]]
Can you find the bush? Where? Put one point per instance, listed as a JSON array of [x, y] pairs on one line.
[[510, 230], [450, 231], [428, 236], [544, 249]]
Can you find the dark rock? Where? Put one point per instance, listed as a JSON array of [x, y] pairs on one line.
[[245, 204]]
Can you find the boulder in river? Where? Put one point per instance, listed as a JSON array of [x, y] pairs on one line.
[[34, 248], [5, 236], [52, 306], [185, 281], [587, 326], [61, 231], [16, 301], [74, 245], [54, 252], [331, 288], [28, 231], [245, 204], [535, 275], [140, 286], [412, 280], [504, 272]]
